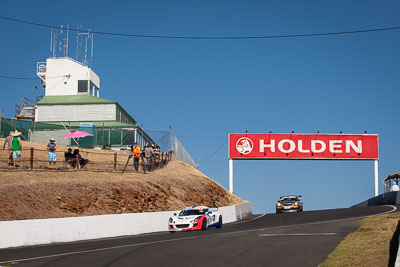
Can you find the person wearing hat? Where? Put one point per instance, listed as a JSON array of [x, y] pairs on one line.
[[16, 146], [8, 141], [51, 147], [395, 186]]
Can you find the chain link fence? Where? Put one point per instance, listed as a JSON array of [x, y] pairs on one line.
[[169, 142]]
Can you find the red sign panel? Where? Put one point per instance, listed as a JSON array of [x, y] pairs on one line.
[[303, 146]]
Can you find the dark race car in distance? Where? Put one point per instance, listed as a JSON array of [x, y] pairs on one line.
[[290, 203]]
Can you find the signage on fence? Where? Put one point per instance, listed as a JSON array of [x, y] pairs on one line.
[[303, 146]]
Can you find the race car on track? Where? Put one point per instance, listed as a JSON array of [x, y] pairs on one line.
[[195, 218], [291, 203]]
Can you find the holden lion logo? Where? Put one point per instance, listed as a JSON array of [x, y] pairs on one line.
[[244, 145]]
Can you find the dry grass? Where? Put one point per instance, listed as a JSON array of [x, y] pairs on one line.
[[44, 193], [370, 245]]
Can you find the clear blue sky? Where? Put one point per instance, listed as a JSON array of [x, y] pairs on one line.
[[206, 89]]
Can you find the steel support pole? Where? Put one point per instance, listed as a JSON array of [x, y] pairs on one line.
[[376, 177], [231, 175]]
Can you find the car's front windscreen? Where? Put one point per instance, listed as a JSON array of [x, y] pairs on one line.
[[289, 199], [191, 212]]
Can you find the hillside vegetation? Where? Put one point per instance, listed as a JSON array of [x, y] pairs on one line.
[[45, 193]]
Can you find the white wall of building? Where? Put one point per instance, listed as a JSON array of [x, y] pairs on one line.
[[44, 137], [57, 82], [82, 112]]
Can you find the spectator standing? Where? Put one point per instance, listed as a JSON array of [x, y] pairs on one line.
[[395, 187], [148, 153], [51, 147], [157, 153], [136, 156], [142, 154], [16, 146], [8, 141], [157, 150]]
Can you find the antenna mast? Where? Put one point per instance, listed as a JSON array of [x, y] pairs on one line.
[[67, 40], [77, 42], [91, 50], [88, 35], [51, 42]]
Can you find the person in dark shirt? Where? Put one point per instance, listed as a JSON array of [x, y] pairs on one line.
[[69, 157], [82, 161]]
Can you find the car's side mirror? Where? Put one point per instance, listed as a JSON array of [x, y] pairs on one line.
[[174, 214]]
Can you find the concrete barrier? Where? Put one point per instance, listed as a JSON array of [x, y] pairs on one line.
[[46, 231], [389, 198]]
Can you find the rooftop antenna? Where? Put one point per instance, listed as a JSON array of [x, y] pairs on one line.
[[51, 42], [86, 39], [88, 35], [64, 45], [77, 41], [55, 44], [66, 52], [91, 50], [60, 45]]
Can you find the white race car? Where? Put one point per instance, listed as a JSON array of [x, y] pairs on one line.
[[195, 218]]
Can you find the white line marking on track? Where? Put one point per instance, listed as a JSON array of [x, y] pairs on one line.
[[245, 221], [300, 234], [188, 238]]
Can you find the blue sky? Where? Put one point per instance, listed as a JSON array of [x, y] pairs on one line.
[[206, 89]]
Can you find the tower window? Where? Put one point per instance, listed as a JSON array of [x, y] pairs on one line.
[[82, 86]]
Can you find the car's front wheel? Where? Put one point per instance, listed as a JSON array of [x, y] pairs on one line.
[[219, 222], [204, 224]]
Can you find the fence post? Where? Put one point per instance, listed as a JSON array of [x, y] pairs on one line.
[[31, 159], [115, 161]]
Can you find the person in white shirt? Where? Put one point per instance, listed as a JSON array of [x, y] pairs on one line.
[[395, 187]]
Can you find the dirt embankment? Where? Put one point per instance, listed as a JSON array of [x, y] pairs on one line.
[[26, 194]]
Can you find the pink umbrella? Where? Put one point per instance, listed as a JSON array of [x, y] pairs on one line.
[[77, 134]]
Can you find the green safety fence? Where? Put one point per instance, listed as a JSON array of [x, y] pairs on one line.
[[8, 125], [103, 137]]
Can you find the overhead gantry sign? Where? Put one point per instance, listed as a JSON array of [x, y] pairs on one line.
[[303, 146]]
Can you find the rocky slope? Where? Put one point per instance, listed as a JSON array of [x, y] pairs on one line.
[[44, 193]]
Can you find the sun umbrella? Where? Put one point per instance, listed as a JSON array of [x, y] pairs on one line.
[[77, 134]]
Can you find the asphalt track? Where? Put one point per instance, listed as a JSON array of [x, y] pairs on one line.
[[291, 239]]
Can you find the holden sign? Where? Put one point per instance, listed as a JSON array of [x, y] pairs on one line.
[[303, 146]]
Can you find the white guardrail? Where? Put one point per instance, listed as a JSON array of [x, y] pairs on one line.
[[46, 231]]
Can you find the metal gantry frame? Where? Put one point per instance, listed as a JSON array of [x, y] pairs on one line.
[[372, 153], [376, 175]]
